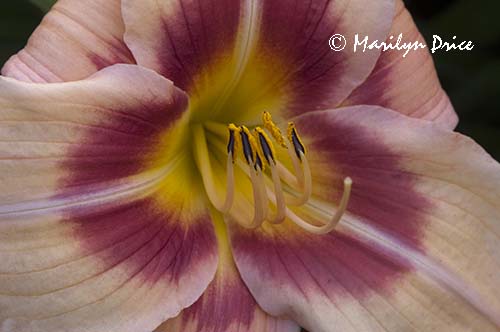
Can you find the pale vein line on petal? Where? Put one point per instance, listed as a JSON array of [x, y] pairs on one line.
[[86, 107], [249, 32], [492, 204], [440, 220], [403, 253], [144, 187], [74, 124], [125, 115], [418, 212]]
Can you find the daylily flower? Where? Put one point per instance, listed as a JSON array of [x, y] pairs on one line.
[[214, 166]]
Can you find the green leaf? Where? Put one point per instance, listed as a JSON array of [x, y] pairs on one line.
[[44, 5]]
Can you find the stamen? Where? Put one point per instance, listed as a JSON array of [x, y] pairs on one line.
[[305, 180], [248, 152], [204, 165], [259, 196], [258, 187], [294, 138], [234, 143], [330, 226], [230, 144], [300, 165], [266, 145], [258, 150], [296, 164], [254, 161], [258, 163], [287, 176], [267, 149], [280, 198], [228, 202]]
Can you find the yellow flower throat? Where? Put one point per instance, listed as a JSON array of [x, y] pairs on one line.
[[254, 153]]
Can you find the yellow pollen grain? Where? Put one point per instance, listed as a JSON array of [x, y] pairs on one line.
[[273, 129]]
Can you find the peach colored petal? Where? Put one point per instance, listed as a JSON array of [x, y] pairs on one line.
[[50, 132], [418, 249], [75, 40], [93, 237], [236, 58], [408, 85], [226, 305]]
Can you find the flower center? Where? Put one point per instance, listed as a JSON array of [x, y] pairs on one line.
[[254, 154]]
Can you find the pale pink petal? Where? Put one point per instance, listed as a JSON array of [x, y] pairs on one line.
[[126, 266], [74, 40], [226, 305], [94, 235], [67, 135], [408, 85], [418, 249], [246, 56]]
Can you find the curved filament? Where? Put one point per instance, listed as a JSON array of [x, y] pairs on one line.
[[332, 223], [205, 167]]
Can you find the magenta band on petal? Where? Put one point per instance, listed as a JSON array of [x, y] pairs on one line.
[[417, 239], [182, 39], [304, 38], [227, 306], [338, 264], [298, 33], [120, 145], [150, 241], [190, 44], [109, 244], [383, 193], [151, 236], [254, 55], [222, 303]]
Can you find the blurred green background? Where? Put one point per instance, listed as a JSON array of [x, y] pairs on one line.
[[472, 79]]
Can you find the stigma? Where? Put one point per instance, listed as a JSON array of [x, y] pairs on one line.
[[255, 152]]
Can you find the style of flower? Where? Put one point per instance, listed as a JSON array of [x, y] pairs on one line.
[[214, 166]]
